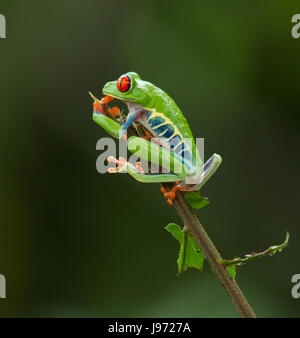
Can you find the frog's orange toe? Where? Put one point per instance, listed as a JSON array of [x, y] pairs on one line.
[[139, 167], [111, 159], [163, 190], [171, 195], [112, 170], [97, 107], [115, 111], [106, 99], [121, 162]]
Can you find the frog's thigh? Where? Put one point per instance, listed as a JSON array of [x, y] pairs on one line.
[[152, 178], [157, 155]]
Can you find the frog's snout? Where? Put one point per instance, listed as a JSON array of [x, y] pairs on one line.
[[110, 88]]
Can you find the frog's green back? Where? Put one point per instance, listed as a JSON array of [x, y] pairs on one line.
[[162, 103]]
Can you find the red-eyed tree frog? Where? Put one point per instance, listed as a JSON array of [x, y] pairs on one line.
[[171, 136]]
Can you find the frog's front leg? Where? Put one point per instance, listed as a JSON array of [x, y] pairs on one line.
[[99, 116], [112, 127]]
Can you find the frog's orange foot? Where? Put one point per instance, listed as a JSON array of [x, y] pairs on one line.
[[106, 99], [170, 195], [122, 163], [115, 111], [101, 106]]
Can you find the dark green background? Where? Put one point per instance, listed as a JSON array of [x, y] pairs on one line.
[[77, 243]]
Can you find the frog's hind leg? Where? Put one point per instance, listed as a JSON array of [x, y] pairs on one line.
[[209, 169], [138, 173]]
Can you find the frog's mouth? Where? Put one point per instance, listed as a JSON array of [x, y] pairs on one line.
[[118, 98]]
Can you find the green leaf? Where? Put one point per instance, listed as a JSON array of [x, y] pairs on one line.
[[195, 200], [190, 255], [232, 270]]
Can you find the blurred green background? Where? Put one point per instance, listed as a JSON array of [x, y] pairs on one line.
[[77, 243]]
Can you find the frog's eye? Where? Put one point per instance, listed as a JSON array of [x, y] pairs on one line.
[[124, 83]]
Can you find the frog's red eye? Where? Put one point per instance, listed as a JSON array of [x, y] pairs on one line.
[[124, 83]]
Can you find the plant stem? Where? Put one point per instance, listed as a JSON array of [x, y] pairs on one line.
[[192, 222], [269, 252]]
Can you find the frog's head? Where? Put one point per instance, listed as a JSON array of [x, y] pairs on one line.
[[128, 88]]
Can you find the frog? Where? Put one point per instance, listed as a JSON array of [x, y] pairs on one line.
[[168, 135]]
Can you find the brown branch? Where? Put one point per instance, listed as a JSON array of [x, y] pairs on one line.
[[191, 221], [193, 224]]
